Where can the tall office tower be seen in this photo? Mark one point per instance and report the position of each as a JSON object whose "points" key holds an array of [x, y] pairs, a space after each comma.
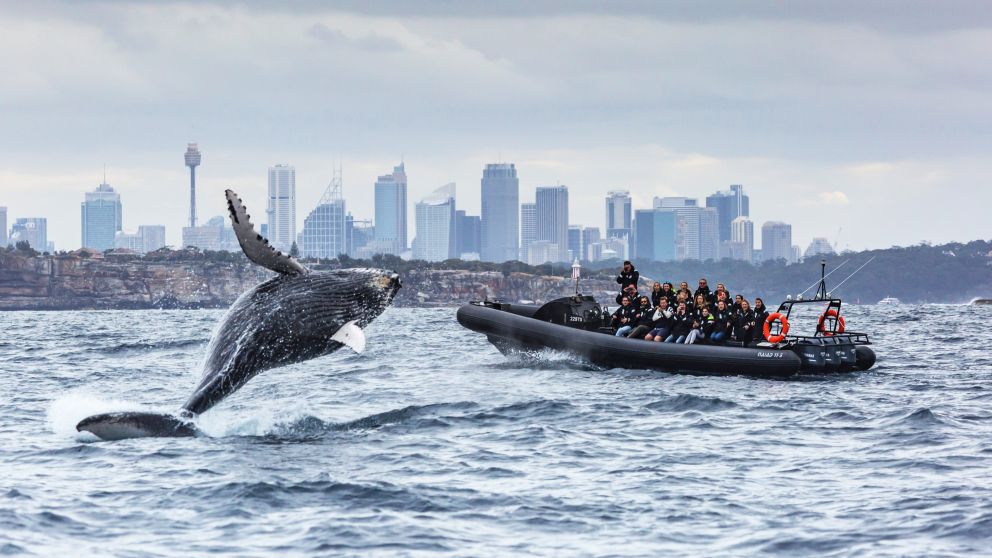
{"points": [[468, 235], [552, 217], [528, 229], [324, 230], [192, 161], [359, 234], [282, 206], [776, 241], [589, 236], [500, 204], [709, 234], [33, 230], [688, 213], [731, 204], [742, 234], [435, 222], [391, 211], [101, 218], [575, 246], [152, 237], [819, 246], [3, 227], [618, 214], [655, 235]]}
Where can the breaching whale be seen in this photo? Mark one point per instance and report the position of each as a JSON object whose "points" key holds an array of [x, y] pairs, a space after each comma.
{"points": [[297, 315]]}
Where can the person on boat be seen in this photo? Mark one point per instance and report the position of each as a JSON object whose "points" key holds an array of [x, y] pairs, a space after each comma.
{"points": [[624, 317], [628, 279], [723, 319], [702, 327], [662, 324], [656, 294], [744, 323], [669, 292], [681, 325], [738, 300], [722, 296], [760, 315], [684, 288], [698, 304], [720, 288], [645, 321], [704, 289]]}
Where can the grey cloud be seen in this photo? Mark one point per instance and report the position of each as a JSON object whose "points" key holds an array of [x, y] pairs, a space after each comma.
{"points": [[373, 42]]}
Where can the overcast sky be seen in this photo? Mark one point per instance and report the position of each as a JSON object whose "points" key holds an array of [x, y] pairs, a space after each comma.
{"points": [[867, 123]]}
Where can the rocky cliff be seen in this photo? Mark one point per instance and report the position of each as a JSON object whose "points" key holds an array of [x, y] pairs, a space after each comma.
{"points": [[79, 281]]}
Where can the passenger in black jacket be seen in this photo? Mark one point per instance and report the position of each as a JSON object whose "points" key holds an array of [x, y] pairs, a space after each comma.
{"points": [[662, 324], [722, 326], [760, 315], [744, 323], [704, 289], [624, 317], [656, 294], [669, 292], [681, 325], [628, 279], [645, 321]]}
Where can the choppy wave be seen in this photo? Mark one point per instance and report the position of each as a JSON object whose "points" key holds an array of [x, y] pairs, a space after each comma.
{"points": [[433, 442]]}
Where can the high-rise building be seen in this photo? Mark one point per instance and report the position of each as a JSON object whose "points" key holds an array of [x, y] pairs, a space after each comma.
{"points": [[552, 217], [575, 242], [358, 234], [33, 230], [324, 229], [192, 158], [500, 204], [391, 212], [281, 211], [101, 218], [435, 222], [3, 227], [709, 234], [776, 241], [589, 236], [688, 240], [742, 234], [819, 246], [528, 229], [618, 214], [152, 237], [655, 235], [543, 251], [468, 235], [730, 204]]}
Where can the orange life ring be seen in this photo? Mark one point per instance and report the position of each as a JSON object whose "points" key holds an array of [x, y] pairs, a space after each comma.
{"points": [[823, 318], [772, 318]]}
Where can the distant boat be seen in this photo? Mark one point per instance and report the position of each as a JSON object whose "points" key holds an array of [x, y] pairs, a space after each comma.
{"points": [[982, 302], [890, 300]]}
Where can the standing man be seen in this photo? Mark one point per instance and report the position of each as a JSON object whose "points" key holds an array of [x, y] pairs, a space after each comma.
{"points": [[628, 279]]}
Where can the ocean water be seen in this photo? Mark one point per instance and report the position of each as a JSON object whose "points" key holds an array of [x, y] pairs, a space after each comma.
{"points": [[431, 442]]}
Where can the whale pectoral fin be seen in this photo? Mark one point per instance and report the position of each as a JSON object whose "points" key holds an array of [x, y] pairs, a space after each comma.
{"points": [[351, 335], [131, 424], [254, 245]]}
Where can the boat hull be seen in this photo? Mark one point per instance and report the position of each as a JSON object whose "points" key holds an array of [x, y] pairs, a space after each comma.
{"points": [[514, 329]]}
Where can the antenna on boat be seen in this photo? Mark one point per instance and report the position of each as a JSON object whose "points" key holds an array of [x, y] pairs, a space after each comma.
{"points": [[821, 291], [832, 271], [576, 267]]}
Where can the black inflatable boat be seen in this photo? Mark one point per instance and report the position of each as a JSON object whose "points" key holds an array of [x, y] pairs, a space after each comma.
{"points": [[575, 325]]}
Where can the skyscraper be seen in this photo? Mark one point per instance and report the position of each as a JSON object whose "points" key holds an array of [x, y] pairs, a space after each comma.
{"points": [[730, 204], [687, 237], [819, 246], [282, 206], [552, 217], [655, 235], [776, 241], [618, 214], [528, 229], [390, 212], [3, 227], [101, 218], [742, 234], [709, 234], [33, 230], [590, 235], [435, 222], [575, 246], [468, 235], [500, 203], [152, 237], [192, 161], [324, 230]]}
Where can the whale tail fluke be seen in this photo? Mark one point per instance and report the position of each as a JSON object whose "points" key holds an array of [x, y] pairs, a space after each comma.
{"points": [[130, 424]]}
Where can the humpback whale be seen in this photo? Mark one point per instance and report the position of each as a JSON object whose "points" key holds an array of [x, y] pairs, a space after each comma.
{"points": [[297, 315]]}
